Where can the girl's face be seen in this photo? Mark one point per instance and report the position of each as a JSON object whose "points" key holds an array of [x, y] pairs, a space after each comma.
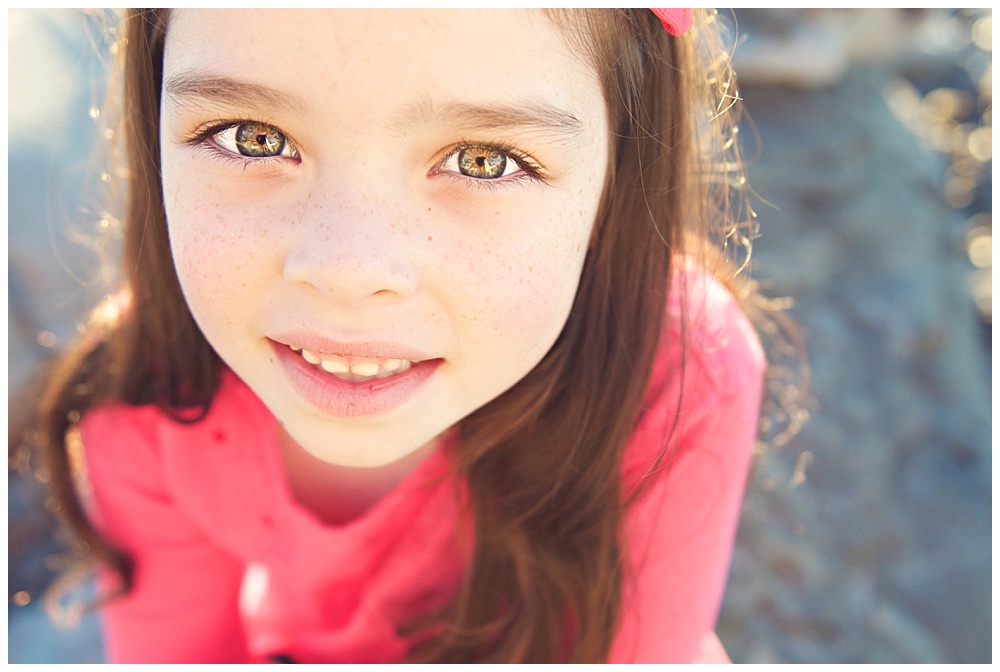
{"points": [[378, 218]]}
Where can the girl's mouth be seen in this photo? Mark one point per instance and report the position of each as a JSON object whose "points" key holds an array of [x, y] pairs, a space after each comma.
{"points": [[354, 369], [354, 385]]}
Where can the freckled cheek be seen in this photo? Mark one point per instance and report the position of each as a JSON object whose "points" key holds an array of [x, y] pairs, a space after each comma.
{"points": [[220, 253], [526, 286]]}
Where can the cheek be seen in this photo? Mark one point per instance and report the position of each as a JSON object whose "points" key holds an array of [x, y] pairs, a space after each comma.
{"points": [[520, 287], [545, 259], [217, 251]]}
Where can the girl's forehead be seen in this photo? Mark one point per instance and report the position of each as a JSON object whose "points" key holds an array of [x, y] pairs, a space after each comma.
{"points": [[318, 61]]}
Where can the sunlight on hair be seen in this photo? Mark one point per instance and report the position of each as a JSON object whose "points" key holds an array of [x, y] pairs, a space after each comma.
{"points": [[109, 311], [733, 226]]}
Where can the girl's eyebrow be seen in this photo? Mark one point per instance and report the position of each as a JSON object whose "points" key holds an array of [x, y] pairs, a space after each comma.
{"points": [[533, 115], [530, 115], [191, 87]]}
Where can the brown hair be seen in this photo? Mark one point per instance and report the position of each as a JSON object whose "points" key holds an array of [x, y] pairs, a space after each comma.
{"points": [[542, 461]]}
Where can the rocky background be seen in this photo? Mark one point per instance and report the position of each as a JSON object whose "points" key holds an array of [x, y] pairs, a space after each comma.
{"points": [[867, 537]]}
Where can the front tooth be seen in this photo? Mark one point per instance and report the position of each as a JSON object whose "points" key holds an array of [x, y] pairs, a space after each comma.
{"points": [[310, 356], [366, 369], [391, 364], [334, 366], [404, 365]]}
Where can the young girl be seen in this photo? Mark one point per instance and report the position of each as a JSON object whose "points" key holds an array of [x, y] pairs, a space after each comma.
{"points": [[418, 354]]}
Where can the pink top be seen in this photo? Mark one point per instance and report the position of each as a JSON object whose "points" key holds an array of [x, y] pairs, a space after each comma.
{"points": [[230, 568]]}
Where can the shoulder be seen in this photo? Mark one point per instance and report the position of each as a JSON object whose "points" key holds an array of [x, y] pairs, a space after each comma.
{"points": [[708, 331], [136, 465], [709, 364], [123, 434], [115, 447]]}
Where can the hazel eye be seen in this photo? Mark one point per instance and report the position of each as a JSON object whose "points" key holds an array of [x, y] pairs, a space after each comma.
{"points": [[254, 139], [481, 162]]}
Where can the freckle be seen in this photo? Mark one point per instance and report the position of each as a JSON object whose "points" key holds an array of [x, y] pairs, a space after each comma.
{"points": [[218, 436], [428, 209], [430, 238]]}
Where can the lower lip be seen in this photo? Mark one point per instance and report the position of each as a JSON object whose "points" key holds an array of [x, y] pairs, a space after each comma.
{"points": [[334, 396]]}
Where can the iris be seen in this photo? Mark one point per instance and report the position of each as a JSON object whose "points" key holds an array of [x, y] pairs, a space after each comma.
{"points": [[481, 162], [256, 139]]}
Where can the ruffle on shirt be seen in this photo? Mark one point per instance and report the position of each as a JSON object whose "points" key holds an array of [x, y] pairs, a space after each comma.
{"points": [[314, 592]]}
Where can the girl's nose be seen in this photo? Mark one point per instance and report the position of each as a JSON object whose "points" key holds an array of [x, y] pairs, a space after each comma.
{"points": [[354, 256]]}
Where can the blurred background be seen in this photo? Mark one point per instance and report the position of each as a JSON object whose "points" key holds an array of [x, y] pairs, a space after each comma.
{"points": [[865, 538]]}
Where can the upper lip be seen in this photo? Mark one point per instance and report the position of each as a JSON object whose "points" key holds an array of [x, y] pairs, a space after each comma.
{"points": [[367, 349]]}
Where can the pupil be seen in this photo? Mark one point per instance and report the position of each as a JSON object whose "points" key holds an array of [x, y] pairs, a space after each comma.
{"points": [[262, 139], [480, 161]]}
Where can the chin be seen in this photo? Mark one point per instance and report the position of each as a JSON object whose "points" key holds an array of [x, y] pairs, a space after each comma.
{"points": [[363, 448]]}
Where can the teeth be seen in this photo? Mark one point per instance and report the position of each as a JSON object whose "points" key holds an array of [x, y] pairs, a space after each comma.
{"points": [[335, 366], [368, 369], [358, 372]]}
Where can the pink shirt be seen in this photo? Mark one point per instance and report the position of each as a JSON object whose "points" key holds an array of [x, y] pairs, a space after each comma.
{"points": [[231, 568]]}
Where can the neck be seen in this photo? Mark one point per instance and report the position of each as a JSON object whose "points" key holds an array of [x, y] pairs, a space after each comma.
{"points": [[337, 494]]}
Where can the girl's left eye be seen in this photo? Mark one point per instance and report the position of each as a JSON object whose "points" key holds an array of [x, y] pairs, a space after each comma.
{"points": [[254, 139], [484, 162]]}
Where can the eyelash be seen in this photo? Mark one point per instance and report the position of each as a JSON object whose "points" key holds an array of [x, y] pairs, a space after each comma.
{"points": [[530, 169]]}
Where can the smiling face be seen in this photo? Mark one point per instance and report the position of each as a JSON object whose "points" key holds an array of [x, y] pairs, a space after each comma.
{"points": [[378, 218]]}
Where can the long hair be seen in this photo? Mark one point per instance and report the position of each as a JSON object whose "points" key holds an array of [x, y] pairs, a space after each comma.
{"points": [[542, 462]]}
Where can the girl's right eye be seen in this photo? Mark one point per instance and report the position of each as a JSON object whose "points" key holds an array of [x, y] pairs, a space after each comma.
{"points": [[253, 139]]}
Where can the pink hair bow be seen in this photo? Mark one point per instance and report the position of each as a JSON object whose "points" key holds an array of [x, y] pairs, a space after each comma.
{"points": [[676, 21]]}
